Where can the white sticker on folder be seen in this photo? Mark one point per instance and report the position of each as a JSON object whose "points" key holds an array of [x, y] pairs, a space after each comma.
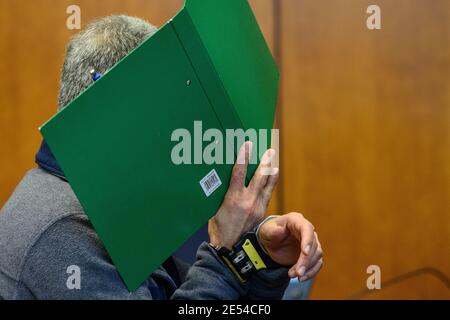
{"points": [[211, 183]]}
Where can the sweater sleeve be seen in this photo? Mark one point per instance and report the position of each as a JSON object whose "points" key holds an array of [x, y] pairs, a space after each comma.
{"points": [[210, 279], [268, 284], [69, 262]]}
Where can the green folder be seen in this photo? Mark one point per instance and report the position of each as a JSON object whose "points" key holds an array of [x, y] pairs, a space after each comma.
{"points": [[210, 63]]}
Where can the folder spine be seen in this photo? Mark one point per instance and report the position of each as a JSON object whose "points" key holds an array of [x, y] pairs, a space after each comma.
{"points": [[206, 72]]}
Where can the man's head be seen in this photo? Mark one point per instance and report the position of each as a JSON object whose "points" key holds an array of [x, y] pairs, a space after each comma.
{"points": [[100, 46]]}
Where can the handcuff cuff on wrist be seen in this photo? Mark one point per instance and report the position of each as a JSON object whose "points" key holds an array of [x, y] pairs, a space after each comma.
{"points": [[248, 256]]}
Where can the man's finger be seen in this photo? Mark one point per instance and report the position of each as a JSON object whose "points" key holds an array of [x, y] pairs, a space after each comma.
{"points": [[308, 256], [313, 250], [270, 186], [318, 254], [261, 177], [306, 261], [311, 273], [303, 230], [240, 168]]}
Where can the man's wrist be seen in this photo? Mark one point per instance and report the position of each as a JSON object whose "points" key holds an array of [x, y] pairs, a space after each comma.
{"points": [[214, 237], [217, 244], [258, 229], [247, 256]]}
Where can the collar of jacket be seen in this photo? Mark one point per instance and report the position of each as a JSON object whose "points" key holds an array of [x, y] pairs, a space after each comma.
{"points": [[46, 161]]}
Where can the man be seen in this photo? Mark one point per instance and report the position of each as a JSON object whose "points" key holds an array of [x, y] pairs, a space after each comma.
{"points": [[44, 232]]}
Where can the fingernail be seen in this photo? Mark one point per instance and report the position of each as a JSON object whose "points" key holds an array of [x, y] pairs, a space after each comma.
{"points": [[302, 271], [302, 279], [307, 249]]}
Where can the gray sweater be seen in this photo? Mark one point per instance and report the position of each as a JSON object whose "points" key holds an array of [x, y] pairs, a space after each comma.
{"points": [[44, 231]]}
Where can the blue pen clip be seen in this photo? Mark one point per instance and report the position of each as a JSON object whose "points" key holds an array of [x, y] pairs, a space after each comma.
{"points": [[95, 75]]}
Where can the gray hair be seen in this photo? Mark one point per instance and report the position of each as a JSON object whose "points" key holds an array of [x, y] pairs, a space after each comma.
{"points": [[100, 46]]}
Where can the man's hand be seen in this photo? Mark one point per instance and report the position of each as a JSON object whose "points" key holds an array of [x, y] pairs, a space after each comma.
{"points": [[290, 240], [244, 207]]}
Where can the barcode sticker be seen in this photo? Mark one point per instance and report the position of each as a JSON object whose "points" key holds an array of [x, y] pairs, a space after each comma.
{"points": [[211, 183]]}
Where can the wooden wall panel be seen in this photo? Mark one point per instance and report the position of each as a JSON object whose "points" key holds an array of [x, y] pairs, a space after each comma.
{"points": [[366, 138]]}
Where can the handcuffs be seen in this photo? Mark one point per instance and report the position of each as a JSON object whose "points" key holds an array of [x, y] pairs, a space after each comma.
{"points": [[247, 256]]}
